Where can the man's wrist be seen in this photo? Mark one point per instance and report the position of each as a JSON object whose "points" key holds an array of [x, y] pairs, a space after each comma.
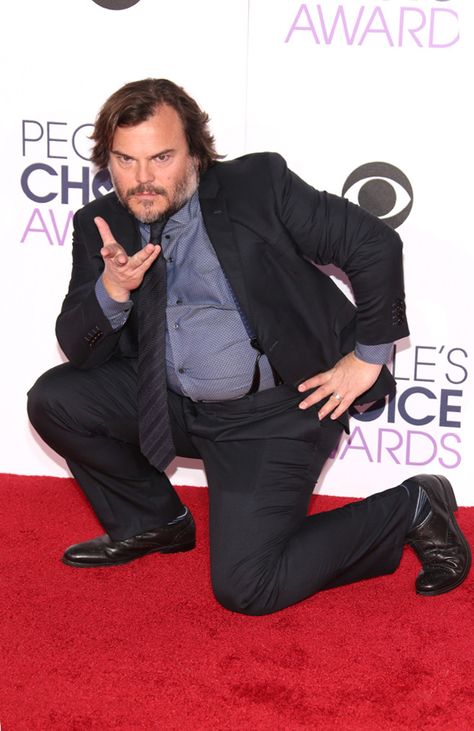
{"points": [[116, 312], [118, 294]]}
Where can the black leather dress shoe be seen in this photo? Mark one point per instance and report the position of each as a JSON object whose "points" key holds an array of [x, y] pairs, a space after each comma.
{"points": [[103, 551], [438, 542]]}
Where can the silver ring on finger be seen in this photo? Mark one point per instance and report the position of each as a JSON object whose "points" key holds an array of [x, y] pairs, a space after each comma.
{"points": [[337, 396]]}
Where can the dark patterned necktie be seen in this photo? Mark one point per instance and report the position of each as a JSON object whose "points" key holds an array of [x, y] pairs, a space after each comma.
{"points": [[156, 442]]}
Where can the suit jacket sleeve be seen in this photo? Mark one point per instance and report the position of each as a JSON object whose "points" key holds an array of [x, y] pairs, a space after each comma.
{"points": [[83, 331], [328, 229]]}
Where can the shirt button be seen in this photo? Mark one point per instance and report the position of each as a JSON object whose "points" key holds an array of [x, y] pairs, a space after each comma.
{"points": [[179, 302], [176, 326], [180, 370]]}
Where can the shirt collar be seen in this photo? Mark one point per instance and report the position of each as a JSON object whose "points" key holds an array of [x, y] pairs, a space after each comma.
{"points": [[182, 217], [188, 211]]}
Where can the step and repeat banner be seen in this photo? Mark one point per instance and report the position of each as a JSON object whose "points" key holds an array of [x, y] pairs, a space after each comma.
{"points": [[367, 100]]}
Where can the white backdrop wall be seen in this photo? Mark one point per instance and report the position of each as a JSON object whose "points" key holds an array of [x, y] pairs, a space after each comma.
{"points": [[367, 99]]}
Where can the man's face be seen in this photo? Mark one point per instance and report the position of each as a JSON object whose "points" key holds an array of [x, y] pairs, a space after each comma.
{"points": [[150, 166]]}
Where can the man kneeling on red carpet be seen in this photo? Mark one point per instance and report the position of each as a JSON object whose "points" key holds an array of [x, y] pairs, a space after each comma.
{"points": [[196, 324]]}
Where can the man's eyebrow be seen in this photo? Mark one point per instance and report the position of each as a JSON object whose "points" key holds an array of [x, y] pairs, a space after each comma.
{"points": [[150, 157], [119, 152], [164, 152]]}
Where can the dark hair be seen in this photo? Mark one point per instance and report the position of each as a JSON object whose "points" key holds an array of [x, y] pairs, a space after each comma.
{"points": [[136, 102]]}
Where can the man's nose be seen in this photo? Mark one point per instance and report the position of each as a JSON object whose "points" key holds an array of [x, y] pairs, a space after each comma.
{"points": [[144, 171]]}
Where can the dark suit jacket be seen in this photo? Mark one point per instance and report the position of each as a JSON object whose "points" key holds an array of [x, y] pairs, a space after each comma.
{"points": [[269, 228]]}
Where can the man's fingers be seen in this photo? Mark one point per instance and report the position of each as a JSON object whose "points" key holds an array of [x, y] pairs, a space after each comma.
{"points": [[320, 394], [104, 231], [116, 254], [118, 257], [142, 260], [146, 256], [317, 382], [111, 251], [130, 268], [340, 386], [334, 406]]}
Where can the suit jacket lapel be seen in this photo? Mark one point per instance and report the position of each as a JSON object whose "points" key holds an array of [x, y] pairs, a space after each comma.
{"points": [[219, 228]]}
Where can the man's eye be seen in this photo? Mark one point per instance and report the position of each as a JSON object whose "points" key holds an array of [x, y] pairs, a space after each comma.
{"points": [[162, 158]]}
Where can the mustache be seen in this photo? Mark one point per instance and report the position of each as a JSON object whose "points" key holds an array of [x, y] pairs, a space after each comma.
{"points": [[139, 189]]}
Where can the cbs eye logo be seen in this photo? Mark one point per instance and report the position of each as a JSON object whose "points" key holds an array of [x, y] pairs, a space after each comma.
{"points": [[116, 4], [381, 189]]}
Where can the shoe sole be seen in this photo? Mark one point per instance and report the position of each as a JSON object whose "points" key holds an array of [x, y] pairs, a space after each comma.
{"points": [[167, 549], [453, 506]]}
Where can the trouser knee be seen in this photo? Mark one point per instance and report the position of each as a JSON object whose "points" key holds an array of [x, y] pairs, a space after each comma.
{"points": [[56, 401], [41, 400], [245, 598]]}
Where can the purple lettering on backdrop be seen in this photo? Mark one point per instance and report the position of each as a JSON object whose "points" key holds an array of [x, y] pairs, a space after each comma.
{"points": [[43, 227], [390, 449], [457, 461], [356, 434], [383, 29], [303, 10], [411, 31], [61, 238], [436, 13], [420, 448], [409, 448], [340, 15], [414, 26]]}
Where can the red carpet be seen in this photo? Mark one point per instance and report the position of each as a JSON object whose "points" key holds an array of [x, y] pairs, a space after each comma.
{"points": [[145, 647]]}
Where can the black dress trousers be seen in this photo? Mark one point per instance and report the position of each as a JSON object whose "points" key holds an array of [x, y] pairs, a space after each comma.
{"points": [[262, 456]]}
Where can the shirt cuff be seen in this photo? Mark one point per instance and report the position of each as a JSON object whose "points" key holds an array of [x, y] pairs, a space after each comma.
{"points": [[376, 354], [116, 312]]}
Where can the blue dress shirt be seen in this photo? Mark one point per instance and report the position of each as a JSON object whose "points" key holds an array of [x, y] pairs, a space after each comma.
{"points": [[208, 352]]}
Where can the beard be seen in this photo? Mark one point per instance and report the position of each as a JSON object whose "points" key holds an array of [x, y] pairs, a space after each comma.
{"points": [[182, 190]]}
